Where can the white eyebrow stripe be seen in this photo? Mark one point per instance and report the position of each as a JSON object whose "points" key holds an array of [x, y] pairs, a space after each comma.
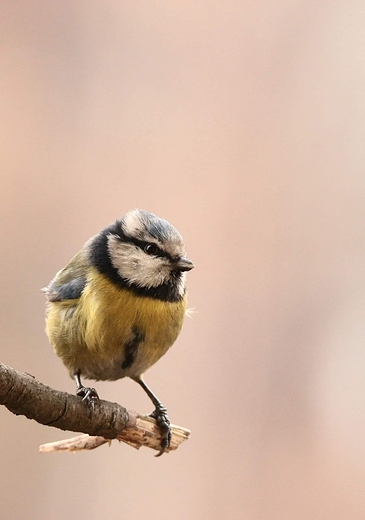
{"points": [[135, 225]]}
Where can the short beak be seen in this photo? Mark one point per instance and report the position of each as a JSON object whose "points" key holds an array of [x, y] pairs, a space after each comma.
{"points": [[183, 264]]}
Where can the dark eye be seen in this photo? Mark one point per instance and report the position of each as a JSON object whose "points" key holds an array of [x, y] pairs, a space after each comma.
{"points": [[150, 249]]}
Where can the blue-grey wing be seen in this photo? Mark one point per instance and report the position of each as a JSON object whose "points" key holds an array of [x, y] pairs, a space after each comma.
{"points": [[70, 282]]}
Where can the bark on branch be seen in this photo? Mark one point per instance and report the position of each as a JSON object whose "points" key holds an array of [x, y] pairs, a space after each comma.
{"points": [[22, 394]]}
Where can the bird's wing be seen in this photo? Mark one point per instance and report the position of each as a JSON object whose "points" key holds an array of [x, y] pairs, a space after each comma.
{"points": [[69, 283]]}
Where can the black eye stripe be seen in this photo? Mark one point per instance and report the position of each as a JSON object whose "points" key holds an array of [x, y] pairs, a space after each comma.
{"points": [[155, 250], [142, 244]]}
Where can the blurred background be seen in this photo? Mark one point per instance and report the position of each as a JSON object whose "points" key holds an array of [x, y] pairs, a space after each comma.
{"points": [[242, 123]]}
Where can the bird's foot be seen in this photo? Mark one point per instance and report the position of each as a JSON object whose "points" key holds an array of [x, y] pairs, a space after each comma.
{"points": [[163, 422], [89, 395]]}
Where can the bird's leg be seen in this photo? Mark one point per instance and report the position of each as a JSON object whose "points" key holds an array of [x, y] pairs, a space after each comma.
{"points": [[90, 395], [162, 419]]}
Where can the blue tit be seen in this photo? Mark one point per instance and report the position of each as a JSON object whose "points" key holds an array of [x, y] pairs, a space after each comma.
{"points": [[119, 305]]}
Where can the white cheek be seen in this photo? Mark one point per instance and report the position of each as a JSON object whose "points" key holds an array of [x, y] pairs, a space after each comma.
{"points": [[137, 267], [181, 285]]}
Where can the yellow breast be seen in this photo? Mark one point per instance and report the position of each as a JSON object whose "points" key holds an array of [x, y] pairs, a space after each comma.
{"points": [[90, 334]]}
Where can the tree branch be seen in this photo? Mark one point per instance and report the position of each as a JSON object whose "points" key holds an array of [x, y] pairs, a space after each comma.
{"points": [[22, 394]]}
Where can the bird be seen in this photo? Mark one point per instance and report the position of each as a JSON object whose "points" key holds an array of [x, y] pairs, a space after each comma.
{"points": [[117, 307]]}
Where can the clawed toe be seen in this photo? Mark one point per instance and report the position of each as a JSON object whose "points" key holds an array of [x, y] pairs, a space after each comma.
{"points": [[89, 395], [163, 422]]}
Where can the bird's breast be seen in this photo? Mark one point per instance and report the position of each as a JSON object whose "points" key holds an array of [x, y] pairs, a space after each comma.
{"points": [[124, 333]]}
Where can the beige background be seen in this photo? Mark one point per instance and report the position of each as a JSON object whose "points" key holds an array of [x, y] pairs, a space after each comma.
{"points": [[243, 124]]}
